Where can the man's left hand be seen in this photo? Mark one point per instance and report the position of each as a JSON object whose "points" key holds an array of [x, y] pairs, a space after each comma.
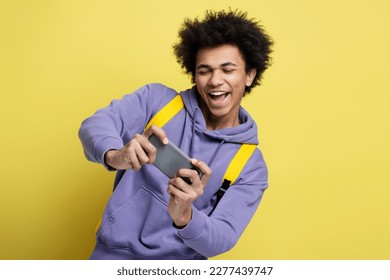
{"points": [[182, 194]]}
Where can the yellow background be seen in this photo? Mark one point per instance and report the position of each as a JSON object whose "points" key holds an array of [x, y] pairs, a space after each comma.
{"points": [[323, 115]]}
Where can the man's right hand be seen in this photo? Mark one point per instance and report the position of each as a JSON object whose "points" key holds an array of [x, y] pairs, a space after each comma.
{"points": [[136, 152]]}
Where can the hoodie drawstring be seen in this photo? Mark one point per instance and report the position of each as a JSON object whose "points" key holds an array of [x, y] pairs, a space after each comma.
{"points": [[193, 133], [216, 152]]}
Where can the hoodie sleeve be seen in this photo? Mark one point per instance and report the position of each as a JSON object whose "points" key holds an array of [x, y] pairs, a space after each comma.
{"points": [[214, 235], [115, 125]]}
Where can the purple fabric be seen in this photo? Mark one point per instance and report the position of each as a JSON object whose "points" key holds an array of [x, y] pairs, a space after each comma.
{"points": [[136, 223]]}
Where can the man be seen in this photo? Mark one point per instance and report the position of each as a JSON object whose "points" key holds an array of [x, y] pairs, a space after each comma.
{"points": [[150, 216]]}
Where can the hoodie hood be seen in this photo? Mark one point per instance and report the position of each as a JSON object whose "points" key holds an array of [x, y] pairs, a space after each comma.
{"points": [[245, 132]]}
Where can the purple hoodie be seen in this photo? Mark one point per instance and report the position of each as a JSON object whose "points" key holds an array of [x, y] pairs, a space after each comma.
{"points": [[136, 223]]}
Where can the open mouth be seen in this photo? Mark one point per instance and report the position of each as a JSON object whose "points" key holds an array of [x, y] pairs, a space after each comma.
{"points": [[218, 96]]}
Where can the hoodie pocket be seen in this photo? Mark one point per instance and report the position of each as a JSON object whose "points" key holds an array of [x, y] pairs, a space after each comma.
{"points": [[141, 225]]}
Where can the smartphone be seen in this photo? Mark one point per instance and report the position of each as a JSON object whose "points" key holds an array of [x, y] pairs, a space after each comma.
{"points": [[169, 158]]}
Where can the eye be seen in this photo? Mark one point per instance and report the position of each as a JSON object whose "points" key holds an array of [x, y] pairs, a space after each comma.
{"points": [[203, 72], [228, 70]]}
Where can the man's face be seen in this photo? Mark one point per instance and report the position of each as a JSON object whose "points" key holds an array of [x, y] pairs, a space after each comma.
{"points": [[220, 78]]}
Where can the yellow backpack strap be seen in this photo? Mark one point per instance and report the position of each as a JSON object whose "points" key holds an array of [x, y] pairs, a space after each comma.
{"points": [[167, 112], [234, 169], [238, 162]]}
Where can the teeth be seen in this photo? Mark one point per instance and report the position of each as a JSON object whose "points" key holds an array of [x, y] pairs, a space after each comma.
{"points": [[217, 93]]}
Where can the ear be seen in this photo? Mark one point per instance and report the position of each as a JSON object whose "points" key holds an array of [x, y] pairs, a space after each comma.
{"points": [[250, 75]]}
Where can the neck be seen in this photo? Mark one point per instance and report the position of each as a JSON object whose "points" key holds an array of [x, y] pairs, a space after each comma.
{"points": [[214, 123]]}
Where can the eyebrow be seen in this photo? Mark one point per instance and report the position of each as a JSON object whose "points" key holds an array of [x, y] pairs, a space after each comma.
{"points": [[200, 66]]}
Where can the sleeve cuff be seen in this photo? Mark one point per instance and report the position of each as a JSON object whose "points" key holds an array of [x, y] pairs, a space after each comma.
{"points": [[103, 146], [195, 227]]}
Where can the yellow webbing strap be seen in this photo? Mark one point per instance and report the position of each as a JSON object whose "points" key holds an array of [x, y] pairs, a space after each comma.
{"points": [[234, 169], [238, 162], [167, 112]]}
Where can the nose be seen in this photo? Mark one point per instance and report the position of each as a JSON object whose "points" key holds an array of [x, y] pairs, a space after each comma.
{"points": [[216, 79]]}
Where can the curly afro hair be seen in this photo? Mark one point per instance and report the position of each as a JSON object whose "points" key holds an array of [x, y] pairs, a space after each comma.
{"points": [[218, 28]]}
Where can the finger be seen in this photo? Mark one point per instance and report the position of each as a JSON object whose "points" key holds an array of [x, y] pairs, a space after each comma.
{"points": [[154, 129], [177, 193], [180, 185], [138, 143], [169, 191], [191, 174], [133, 158], [173, 191], [125, 163], [149, 150], [145, 150], [203, 167], [129, 165], [196, 186]]}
